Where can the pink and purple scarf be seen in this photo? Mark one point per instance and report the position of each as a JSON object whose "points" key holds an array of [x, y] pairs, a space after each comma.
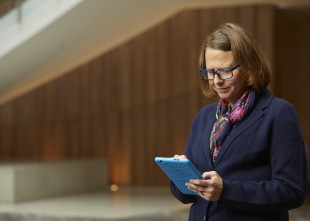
{"points": [[227, 118]]}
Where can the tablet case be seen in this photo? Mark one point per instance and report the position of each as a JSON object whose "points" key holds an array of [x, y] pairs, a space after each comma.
{"points": [[180, 171]]}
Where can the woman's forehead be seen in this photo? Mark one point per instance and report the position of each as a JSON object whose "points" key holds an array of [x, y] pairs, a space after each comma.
{"points": [[219, 59]]}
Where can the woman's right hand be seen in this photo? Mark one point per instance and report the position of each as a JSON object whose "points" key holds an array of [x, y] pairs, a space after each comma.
{"points": [[180, 156]]}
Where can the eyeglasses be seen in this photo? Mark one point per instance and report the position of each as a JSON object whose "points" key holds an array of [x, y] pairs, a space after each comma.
{"points": [[223, 73]]}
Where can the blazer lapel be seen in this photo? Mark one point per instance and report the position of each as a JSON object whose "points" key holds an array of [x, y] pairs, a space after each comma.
{"points": [[206, 137], [244, 125], [263, 101]]}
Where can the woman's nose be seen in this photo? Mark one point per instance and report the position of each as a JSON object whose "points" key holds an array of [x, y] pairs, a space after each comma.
{"points": [[217, 79]]}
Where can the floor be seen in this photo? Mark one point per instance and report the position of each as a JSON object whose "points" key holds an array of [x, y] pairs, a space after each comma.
{"points": [[130, 204], [121, 204]]}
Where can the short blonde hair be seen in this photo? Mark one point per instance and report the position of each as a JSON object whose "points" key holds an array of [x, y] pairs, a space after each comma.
{"points": [[254, 68]]}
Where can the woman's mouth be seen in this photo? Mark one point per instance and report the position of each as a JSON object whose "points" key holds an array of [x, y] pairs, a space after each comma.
{"points": [[222, 90]]}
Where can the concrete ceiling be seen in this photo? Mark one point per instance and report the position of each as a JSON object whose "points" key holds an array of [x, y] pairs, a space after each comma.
{"points": [[91, 28]]}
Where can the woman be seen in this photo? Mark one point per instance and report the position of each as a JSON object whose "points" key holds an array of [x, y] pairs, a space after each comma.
{"points": [[248, 146]]}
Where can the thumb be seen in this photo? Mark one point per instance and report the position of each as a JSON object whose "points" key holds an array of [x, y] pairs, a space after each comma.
{"points": [[209, 174]]}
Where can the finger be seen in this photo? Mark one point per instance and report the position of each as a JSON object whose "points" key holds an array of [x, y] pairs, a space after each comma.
{"points": [[180, 156], [195, 188], [183, 157], [200, 193], [199, 182], [209, 174], [213, 179]]}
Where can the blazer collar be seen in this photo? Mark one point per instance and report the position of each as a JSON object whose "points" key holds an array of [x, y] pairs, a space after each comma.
{"points": [[263, 100]]}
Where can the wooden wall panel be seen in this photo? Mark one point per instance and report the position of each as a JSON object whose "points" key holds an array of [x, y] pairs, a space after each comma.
{"points": [[128, 105], [292, 74]]}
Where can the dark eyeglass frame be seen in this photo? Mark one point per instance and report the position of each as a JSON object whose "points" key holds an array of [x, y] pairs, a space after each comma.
{"points": [[204, 72]]}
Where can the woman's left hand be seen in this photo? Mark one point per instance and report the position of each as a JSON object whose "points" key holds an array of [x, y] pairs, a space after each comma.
{"points": [[210, 188]]}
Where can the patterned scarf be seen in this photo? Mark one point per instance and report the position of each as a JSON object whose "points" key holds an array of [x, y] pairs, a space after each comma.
{"points": [[228, 118]]}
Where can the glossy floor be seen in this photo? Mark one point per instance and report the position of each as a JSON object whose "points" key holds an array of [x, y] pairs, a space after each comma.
{"points": [[124, 203], [147, 204]]}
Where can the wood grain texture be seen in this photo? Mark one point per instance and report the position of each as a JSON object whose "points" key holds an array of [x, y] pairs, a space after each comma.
{"points": [[292, 48], [128, 105]]}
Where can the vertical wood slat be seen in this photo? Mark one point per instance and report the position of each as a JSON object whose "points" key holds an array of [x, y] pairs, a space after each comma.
{"points": [[129, 105], [265, 33], [292, 68], [291, 73]]}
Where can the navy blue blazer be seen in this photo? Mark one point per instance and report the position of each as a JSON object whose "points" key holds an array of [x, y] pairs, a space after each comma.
{"points": [[262, 163]]}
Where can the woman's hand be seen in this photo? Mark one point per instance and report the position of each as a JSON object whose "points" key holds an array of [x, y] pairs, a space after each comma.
{"points": [[210, 188], [180, 156]]}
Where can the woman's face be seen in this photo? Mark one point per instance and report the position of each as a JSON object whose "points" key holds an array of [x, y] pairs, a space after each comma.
{"points": [[230, 89]]}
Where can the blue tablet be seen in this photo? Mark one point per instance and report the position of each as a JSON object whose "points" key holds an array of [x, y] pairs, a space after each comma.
{"points": [[180, 171]]}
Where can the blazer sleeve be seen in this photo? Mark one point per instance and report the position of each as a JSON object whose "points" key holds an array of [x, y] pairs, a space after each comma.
{"points": [[288, 184], [183, 198]]}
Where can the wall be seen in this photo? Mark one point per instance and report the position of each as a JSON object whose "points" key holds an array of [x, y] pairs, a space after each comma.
{"points": [[292, 61], [128, 105]]}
